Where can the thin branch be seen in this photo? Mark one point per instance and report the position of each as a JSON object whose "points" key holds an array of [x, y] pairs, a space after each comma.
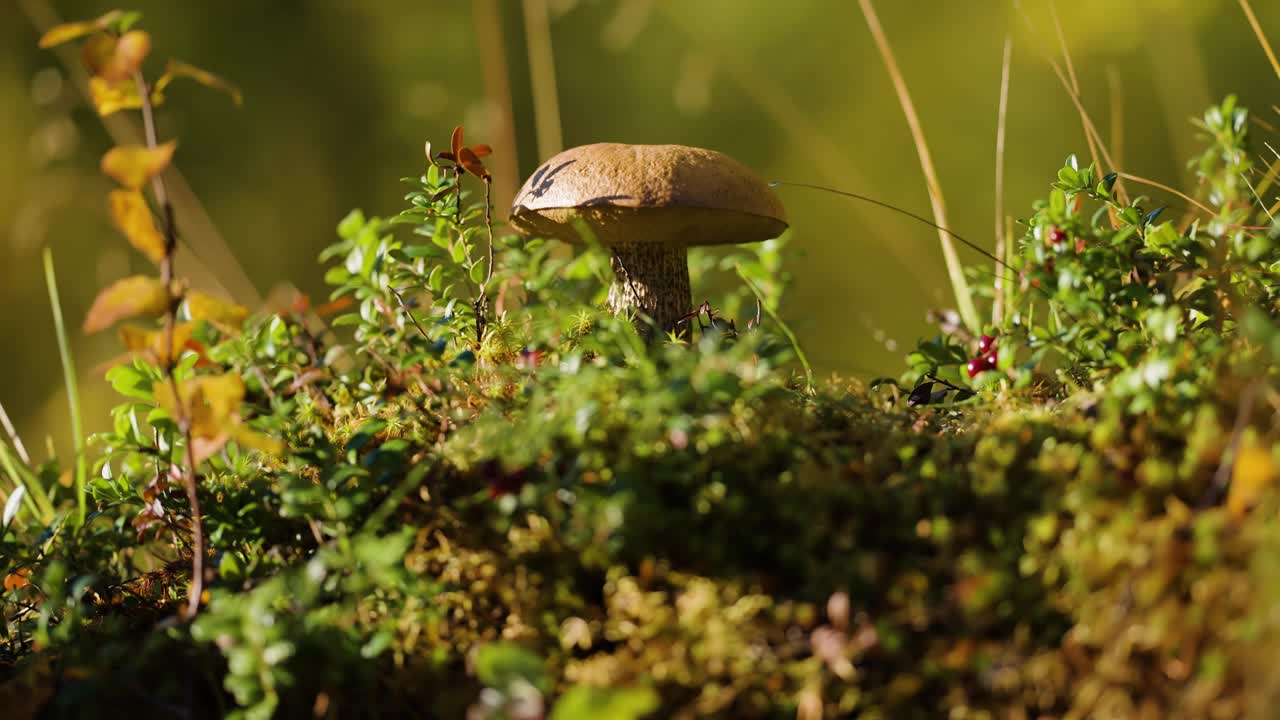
{"points": [[405, 306], [1156, 184], [183, 419]]}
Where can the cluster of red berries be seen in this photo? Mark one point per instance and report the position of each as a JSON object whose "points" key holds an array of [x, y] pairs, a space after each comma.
{"points": [[987, 357]]}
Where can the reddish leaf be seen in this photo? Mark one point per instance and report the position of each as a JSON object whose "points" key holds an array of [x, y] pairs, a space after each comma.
{"points": [[17, 579], [132, 217], [469, 162], [482, 150], [131, 297], [334, 307], [133, 165], [455, 142]]}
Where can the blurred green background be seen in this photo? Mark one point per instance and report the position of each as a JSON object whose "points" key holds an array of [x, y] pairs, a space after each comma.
{"points": [[340, 95]]}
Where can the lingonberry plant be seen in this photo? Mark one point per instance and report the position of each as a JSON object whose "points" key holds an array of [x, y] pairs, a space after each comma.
{"points": [[1125, 292]]}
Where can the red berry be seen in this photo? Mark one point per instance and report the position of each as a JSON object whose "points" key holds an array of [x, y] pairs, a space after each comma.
{"points": [[976, 366], [985, 344], [992, 359], [1048, 265], [1057, 236]]}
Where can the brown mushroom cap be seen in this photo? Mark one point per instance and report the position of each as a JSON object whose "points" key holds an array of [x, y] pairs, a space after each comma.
{"points": [[635, 194]]}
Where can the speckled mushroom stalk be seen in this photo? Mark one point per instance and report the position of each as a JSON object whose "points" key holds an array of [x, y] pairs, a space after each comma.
{"points": [[647, 204], [653, 279]]}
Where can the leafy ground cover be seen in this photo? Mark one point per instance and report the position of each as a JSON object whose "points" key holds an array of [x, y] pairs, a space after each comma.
{"points": [[457, 488]]}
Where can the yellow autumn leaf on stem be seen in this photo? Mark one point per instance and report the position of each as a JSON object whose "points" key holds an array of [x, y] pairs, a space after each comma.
{"points": [[66, 32], [132, 217], [175, 69], [1253, 473], [203, 306], [133, 165], [127, 55], [139, 295], [109, 97], [96, 52], [212, 403], [150, 342]]}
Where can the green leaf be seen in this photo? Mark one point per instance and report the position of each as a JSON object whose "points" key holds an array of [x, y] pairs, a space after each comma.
{"points": [[587, 703], [351, 225], [500, 664]]}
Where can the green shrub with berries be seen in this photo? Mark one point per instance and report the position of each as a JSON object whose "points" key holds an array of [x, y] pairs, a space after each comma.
{"points": [[458, 489]]}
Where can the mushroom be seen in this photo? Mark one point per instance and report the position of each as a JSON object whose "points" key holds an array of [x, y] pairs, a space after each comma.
{"points": [[648, 204]]}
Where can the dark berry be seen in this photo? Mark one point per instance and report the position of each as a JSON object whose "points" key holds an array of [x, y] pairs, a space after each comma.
{"points": [[992, 359], [1057, 236], [985, 343]]}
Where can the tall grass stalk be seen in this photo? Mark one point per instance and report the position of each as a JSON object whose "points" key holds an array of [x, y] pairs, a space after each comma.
{"points": [[73, 393], [960, 286]]}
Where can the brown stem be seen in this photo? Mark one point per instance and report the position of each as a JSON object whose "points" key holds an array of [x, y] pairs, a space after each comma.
{"points": [[183, 419], [653, 279]]}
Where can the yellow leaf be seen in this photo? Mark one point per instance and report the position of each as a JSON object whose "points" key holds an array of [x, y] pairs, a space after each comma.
{"points": [[203, 306], [127, 55], [150, 343], [130, 297], [1254, 472], [132, 217], [109, 97], [67, 32], [133, 165], [212, 403], [177, 69]]}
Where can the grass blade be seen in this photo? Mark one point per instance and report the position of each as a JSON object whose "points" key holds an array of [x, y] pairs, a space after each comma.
{"points": [[964, 302], [1262, 37], [36, 497], [69, 375]]}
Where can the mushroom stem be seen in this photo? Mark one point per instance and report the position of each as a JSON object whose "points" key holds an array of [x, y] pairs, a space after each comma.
{"points": [[651, 278]]}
